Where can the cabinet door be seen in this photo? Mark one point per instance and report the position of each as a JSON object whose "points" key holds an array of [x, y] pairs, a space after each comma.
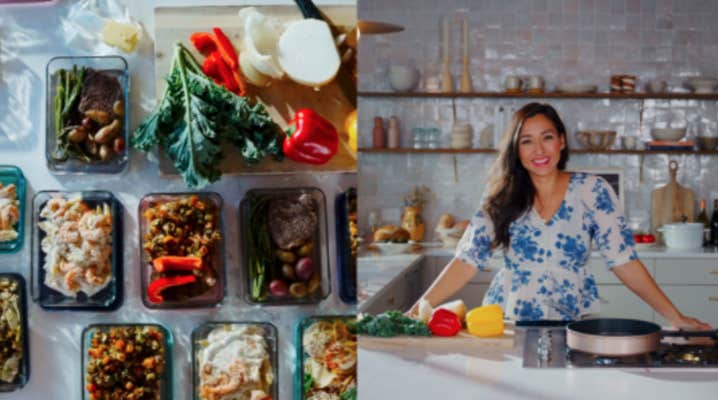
{"points": [[472, 294], [699, 301], [393, 298], [687, 271], [619, 302]]}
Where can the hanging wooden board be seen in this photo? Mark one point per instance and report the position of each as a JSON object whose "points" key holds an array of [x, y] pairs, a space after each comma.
{"points": [[671, 202], [282, 98]]}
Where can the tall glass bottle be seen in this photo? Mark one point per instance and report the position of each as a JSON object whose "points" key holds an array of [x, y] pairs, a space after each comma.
{"points": [[703, 219]]}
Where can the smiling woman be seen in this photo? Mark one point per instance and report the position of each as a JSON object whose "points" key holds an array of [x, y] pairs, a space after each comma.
{"points": [[545, 220]]}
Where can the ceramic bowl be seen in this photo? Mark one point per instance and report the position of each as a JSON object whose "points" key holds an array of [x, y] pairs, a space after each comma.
{"points": [[702, 85], [388, 248], [403, 78], [596, 140], [668, 134]]}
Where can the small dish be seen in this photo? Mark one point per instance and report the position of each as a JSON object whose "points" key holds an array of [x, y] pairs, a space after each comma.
{"points": [[403, 78], [12, 175], [316, 336], [576, 88], [107, 298], [120, 336], [390, 249], [645, 246], [290, 279], [668, 134], [60, 162], [15, 284], [208, 286], [201, 341]]}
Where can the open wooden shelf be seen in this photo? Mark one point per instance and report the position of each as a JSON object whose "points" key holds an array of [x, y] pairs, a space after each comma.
{"points": [[573, 151], [555, 95]]}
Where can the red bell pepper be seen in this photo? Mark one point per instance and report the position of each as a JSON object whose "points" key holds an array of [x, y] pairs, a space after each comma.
{"points": [[154, 290], [225, 76], [225, 48], [444, 323], [209, 66], [311, 138], [177, 263], [204, 42]]}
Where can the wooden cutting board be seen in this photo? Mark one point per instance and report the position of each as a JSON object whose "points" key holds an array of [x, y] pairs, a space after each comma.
{"points": [[671, 202], [282, 98], [459, 343]]}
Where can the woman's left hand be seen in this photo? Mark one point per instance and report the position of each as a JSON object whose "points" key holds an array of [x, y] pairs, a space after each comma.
{"points": [[690, 323]]}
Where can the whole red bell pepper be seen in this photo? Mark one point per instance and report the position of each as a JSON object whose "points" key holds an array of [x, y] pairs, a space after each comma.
{"points": [[444, 323], [154, 290], [310, 138]]}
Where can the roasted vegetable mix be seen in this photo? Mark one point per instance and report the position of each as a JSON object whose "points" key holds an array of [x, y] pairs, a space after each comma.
{"points": [[195, 114], [11, 346], [125, 362], [282, 250], [330, 357], [182, 242], [88, 112]]}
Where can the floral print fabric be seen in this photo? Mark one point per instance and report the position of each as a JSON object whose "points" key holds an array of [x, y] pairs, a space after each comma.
{"points": [[544, 274]]}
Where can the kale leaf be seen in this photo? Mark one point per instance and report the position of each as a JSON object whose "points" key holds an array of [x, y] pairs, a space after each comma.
{"points": [[391, 323]]}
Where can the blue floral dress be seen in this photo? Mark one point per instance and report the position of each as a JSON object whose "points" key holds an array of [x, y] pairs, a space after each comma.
{"points": [[544, 274]]}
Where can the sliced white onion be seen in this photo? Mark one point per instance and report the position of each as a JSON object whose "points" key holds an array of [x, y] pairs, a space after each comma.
{"points": [[307, 53]]}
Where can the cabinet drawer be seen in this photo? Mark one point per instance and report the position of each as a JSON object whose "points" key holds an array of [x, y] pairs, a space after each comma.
{"points": [[687, 271], [696, 301], [618, 301], [472, 294]]}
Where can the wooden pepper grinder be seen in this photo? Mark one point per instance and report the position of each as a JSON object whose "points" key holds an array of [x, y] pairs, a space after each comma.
{"points": [[378, 133], [393, 140]]}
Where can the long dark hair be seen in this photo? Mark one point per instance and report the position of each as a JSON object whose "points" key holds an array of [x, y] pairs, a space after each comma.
{"points": [[510, 192]]}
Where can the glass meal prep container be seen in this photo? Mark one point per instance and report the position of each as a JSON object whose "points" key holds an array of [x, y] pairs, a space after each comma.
{"points": [[126, 359], [182, 250], [326, 366], [77, 245], [12, 208], [13, 318], [87, 116], [245, 351], [284, 246], [345, 208]]}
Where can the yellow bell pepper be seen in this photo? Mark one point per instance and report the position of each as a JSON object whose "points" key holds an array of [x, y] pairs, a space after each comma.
{"points": [[350, 124], [485, 321]]}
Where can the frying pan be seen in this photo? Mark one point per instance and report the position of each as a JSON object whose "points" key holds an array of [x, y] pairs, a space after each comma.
{"points": [[621, 337]]}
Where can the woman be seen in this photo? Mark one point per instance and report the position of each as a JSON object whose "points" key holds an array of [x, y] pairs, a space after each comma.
{"points": [[545, 220]]}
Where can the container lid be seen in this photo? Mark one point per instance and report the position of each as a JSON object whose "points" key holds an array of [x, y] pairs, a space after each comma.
{"points": [[684, 225]]}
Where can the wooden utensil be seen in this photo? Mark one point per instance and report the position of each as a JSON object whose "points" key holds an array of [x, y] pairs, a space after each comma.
{"points": [[466, 85], [672, 202], [447, 83]]}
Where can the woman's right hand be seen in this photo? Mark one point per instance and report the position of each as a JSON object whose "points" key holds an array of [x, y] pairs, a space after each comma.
{"points": [[689, 323]]}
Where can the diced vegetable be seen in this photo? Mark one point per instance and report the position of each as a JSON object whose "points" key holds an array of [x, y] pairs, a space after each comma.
{"points": [[176, 263], [154, 290]]}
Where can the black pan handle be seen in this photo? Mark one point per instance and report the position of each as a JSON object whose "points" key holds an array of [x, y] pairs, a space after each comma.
{"points": [[691, 334], [309, 9]]}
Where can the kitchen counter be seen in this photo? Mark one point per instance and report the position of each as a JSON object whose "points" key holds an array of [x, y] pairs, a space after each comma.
{"points": [[497, 373], [645, 252]]}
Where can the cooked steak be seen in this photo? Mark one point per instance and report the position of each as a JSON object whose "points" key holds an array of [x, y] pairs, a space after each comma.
{"points": [[292, 221], [99, 92]]}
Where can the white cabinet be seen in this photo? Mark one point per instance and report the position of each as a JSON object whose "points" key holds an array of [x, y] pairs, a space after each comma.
{"points": [[619, 302], [699, 301], [683, 271]]}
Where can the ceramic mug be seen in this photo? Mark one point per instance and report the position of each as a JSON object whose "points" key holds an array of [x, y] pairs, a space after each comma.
{"points": [[629, 142], [536, 82], [512, 83]]}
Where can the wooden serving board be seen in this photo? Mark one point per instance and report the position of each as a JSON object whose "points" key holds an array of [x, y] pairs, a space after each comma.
{"points": [[459, 343], [282, 98], [670, 202]]}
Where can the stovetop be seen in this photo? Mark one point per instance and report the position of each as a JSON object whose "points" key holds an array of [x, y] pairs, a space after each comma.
{"points": [[545, 347]]}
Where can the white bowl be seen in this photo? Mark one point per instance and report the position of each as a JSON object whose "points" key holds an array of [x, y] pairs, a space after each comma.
{"points": [[388, 248], [668, 134], [702, 85], [685, 236], [403, 78], [576, 88]]}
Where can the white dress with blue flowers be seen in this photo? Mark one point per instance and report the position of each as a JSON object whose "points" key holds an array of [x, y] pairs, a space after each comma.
{"points": [[544, 274]]}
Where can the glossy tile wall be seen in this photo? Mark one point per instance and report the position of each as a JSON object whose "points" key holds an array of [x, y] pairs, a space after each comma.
{"points": [[565, 41]]}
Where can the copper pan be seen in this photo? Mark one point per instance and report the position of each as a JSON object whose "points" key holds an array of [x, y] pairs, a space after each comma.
{"points": [[613, 336]]}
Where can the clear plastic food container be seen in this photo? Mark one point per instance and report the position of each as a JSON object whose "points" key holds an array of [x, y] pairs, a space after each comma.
{"points": [[15, 284], [127, 348], [201, 342], [325, 342], [80, 236], [276, 275], [345, 210], [208, 287], [83, 156], [12, 175]]}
